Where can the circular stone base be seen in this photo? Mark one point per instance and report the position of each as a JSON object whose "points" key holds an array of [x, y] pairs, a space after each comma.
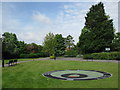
{"points": [[77, 74]]}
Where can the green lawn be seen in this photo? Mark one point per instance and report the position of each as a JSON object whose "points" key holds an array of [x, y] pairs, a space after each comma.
{"points": [[0, 62], [29, 74]]}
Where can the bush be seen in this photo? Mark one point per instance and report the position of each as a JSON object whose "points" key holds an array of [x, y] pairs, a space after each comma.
{"points": [[52, 57], [105, 55], [69, 56], [34, 55], [88, 56], [31, 55], [43, 54], [79, 56], [71, 53], [23, 55]]}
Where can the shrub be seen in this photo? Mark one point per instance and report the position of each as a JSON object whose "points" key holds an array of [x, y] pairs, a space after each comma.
{"points": [[71, 53], [34, 55], [104, 55], [88, 56], [23, 55], [31, 55], [79, 56], [43, 54], [69, 56], [52, 57]]}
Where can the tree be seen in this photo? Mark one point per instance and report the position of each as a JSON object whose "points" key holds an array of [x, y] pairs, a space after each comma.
{"points": [[21, 45], [69, 42], [0, 48], [9, 46], [32, 48], [116, 42], [84, 41], [98, 31], [40, 48], [49, 43], [59, 45]]}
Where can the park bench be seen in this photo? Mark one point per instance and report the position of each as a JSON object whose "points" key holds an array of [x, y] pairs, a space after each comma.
{"points": [[12, 62], [54, 58], [15, 61], [118, 58]]}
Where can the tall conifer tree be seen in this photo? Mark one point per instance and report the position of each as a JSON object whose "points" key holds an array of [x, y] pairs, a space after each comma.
{"points": [[98, 32]]}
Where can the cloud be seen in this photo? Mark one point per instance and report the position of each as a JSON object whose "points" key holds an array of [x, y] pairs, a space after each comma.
{"points": [[41, 18], [59, 0], [66, 6], [69, 20], [30, 37], [92, 0], [112, 12], [0, 19], [10, 25]]}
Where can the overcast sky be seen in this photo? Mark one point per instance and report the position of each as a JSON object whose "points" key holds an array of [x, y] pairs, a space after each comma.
{"points": [[31, 21]]}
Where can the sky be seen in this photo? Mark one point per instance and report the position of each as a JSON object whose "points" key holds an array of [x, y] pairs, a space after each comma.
{"points": [[31, 21]]}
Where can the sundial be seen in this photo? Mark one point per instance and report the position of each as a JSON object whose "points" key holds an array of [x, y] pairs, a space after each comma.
{"points": [[77, 74]]}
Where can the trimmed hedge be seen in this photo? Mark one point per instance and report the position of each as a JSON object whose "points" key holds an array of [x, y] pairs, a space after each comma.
{"points": [[69, 56], [104, 55], [79, 56], [34, 55], [71, 53]]}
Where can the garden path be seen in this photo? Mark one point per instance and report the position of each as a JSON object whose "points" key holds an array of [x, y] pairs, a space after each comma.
{"points": [[69, 58]]}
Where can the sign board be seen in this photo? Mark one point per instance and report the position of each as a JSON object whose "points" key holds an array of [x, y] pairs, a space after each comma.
{"points": [[107, 49]]}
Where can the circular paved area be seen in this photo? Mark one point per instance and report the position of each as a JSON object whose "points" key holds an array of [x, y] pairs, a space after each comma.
{"points": [[77, 75]]}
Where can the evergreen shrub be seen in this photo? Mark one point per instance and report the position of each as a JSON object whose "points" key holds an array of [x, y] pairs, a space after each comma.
{"points": [[34, 55], [71, 53], [103, 55]]}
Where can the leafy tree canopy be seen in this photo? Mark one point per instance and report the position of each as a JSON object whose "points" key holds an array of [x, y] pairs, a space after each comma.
{"points": [[69, 42], [116, 42], [32, 48], [9, 45], [49, 43], [59, 45]]}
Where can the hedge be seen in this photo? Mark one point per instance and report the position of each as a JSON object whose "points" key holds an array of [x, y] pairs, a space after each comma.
{"points": [[34, 55], [71, 53], [69, 56], [104, 55]]}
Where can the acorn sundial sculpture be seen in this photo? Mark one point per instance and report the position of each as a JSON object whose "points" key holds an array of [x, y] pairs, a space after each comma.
{"points": [[77, 74]]}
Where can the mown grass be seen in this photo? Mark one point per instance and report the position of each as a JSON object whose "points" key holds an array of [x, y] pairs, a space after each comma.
{"points": [[29, 75], [0, 62]]}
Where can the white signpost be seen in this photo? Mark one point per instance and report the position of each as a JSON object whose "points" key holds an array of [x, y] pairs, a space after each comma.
{"points": [[107, 49]]}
